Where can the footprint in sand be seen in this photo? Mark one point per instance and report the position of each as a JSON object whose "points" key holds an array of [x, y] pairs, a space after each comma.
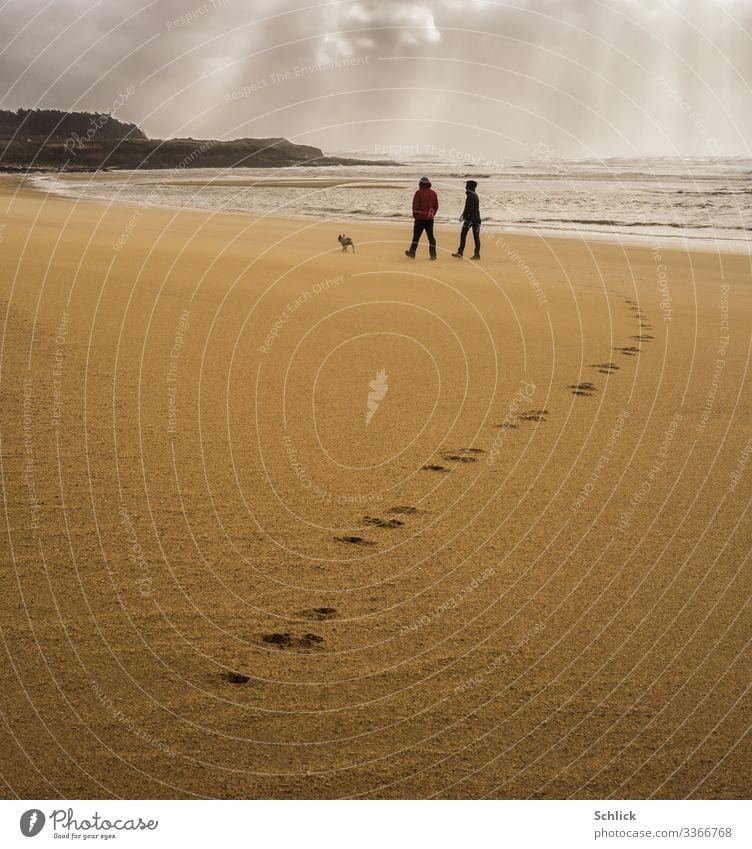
{"points": [[629, 351], [235, 678], [606, 368], [463, 455], [355, 540], [532, 416], [288, 641], [582, 388], [404, 510], [382, 523], [459, 458], [643, 338], [507, 426], [433, 467], [318, 614]]}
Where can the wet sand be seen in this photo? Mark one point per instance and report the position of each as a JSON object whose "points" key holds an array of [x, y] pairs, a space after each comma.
{"points": [[284, 522], [293, 184], [94, 177]]}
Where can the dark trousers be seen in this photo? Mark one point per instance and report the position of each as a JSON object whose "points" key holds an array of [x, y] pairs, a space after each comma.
{"points": [[466, 226], [419, 228]]}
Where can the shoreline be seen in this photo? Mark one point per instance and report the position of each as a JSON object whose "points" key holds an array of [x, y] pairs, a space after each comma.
{"points": [[663, 243]]}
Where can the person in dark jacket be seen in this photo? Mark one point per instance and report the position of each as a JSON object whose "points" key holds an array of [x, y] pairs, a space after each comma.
{"points": [[425, 207], [470, 219]]}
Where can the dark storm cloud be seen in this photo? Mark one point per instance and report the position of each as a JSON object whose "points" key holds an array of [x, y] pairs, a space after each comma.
{"points": [[580, 76]]}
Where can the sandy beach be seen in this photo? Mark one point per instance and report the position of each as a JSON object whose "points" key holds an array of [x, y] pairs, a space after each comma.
{"points": [[292, 523]]}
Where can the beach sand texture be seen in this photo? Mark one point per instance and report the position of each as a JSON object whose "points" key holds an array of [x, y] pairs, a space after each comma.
{"points": [[285, 522]]}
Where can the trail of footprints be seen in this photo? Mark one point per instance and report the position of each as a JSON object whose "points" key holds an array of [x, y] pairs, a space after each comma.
{"points": [[460, 456], [643, 325], [588, 389], [309, 641]]}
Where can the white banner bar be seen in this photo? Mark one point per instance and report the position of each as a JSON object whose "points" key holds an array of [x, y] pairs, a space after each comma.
{"points": [[377, 824]]}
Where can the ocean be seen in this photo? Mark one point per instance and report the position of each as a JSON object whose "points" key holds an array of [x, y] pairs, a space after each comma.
{"points": [[687, 202]]}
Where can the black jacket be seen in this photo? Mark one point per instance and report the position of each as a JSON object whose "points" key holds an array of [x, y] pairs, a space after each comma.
{"points": [[471, 212]]}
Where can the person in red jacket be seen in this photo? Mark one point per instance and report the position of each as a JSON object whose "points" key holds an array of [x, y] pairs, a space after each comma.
{"points": [[425, 207]]}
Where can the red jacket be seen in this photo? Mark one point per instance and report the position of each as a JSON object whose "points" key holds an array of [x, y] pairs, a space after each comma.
{"points": [[425, 203]]}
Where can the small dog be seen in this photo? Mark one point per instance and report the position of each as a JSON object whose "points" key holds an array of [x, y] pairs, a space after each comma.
{"points": [[346, 243]]}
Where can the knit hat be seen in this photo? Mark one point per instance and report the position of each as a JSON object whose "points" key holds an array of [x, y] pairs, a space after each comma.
{"points": [[424, 180], [471, 185]]}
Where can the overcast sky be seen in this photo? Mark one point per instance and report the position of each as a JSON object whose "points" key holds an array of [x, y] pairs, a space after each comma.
{"points": [[493, 80]]}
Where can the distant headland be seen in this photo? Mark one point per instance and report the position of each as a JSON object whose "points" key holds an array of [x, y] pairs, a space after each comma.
{"points": [[50, 139]]}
